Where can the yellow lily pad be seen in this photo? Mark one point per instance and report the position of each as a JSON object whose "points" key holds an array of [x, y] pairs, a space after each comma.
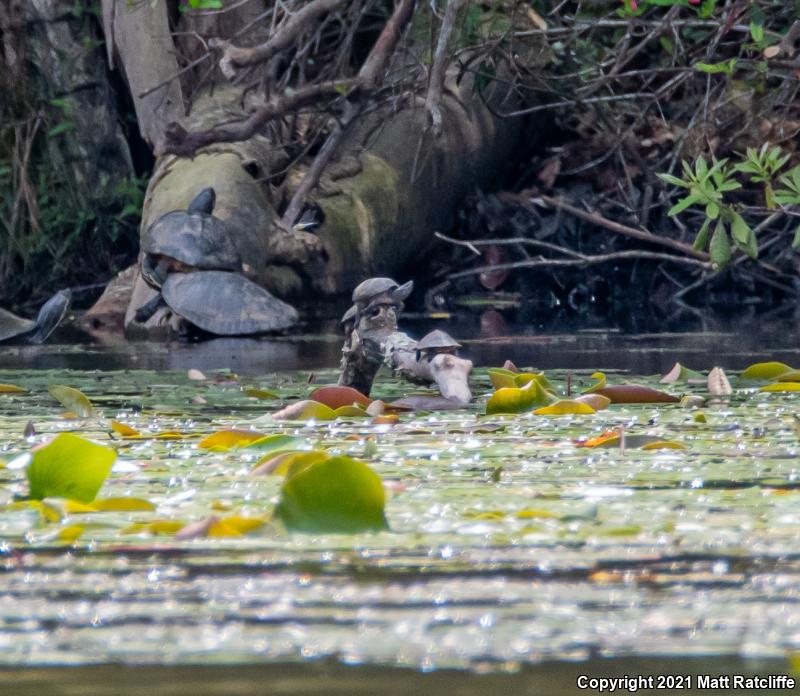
{"points": [[600, 382], [224, 440], [781, 387], [123, 429], [11, 389], [765, 371], [109, 505], [283, 463], [73, 400], [564, 407], [510, 400]]}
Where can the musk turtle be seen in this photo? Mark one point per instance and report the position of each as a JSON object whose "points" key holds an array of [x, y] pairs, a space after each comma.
{"points": [[50, 316], [436, 342], [188, 240], [226, 303], [380, 291]]}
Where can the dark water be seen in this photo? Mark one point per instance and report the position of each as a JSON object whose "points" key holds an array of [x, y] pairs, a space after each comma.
{"points": [[731, 345]]}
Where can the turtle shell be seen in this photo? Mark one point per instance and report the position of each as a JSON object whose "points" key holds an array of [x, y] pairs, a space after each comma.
{"points": [[194, 237], [226, 303], [437, 340], [372, 287]]}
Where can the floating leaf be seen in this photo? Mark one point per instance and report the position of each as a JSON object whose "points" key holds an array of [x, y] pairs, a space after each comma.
{"points": [[224, 440], [308, 409], [69, 467], [335, 396], [73, 507], [692, 401], [70, 533], [718, 383], [597, 401], [564, 407], [664, 444], [275, 443], [281, 464], [424, 403], [196, 375], [519, 399], [764, 371], [156, 527], [601, 382], [681, 373], [781, 387], [336, 495], [504, 378], [11, 389], [72, 399], [262, 394], [635, 394], [214, 526], [790, 376], [123, 429]]}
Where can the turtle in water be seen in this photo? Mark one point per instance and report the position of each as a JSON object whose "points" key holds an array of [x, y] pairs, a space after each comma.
{"points": [[38, 330], [437, 342], [190, 258]]}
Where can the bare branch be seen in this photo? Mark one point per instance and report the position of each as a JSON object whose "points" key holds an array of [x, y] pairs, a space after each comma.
{"points": [[236, 57], [641, 235], [183, 143], [438, 68]]}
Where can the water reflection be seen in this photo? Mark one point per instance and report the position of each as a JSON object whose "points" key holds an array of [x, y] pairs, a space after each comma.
{"points": [[488, 339]]}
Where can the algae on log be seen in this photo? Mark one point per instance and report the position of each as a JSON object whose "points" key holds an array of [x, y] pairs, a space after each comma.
{"points": [[410, 184]]}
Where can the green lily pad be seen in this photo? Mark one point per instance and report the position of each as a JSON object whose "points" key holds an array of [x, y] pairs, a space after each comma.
{"points": [[336, 495], [72, 399], [69, 467]]}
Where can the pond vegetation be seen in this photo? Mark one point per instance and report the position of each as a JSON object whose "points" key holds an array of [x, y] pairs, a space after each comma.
{"points": [[499, 540]]}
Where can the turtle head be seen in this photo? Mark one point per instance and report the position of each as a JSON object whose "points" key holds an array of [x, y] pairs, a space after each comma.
{"points": [[203, 202]]}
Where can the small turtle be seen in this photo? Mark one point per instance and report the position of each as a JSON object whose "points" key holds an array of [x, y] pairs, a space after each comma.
{"points": [[50, 315], [188, 240], [385, 290], [226, 303], [435, 343]]}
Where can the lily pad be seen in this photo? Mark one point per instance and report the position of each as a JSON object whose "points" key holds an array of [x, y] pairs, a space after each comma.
{"points": [[510, 400], [335, 396], [224, 440], [336, 495], [781, 387], [286, 462], [11, 389], [564, 407], [681, 373], [764, 371], [635, 394], [69, 467], [72, 399]]}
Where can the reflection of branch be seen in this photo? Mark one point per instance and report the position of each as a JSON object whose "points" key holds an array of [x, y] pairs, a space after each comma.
{"points": [[619, 228], [436, 84], [235, 57]]}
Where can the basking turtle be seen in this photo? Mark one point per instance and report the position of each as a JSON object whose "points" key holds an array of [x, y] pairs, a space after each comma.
{"points": [[436, 343], [224, 303], [374, 291], [50, 316], [188, 240]]}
